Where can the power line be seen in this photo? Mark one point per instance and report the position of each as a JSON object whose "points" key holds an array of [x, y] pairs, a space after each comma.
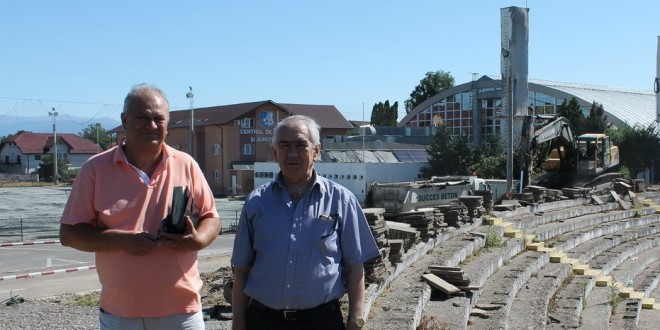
{"points": [[58, 101]]}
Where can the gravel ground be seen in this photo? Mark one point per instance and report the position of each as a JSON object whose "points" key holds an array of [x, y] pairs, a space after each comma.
{"points": [[42, 314], [60, 312]]}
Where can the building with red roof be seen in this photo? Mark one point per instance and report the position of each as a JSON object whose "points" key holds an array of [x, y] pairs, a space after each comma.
{"points": [[22, 153]]}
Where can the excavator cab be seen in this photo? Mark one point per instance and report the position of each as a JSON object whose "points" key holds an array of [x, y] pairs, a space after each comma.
{"points": [[596, 153]]}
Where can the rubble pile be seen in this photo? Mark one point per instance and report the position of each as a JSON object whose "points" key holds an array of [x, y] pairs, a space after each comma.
{"points": [[575, 192], [404, 232], [375, 269], [455, 215], [423, 220], [453, 275], [487, 199], [474, 205], [396, 250]]}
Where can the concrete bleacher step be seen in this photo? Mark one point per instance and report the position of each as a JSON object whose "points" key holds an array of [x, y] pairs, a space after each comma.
{"points": [[648, 303], [535, 246], [603, 281], [493, 221], [580, 269], [637, 295], [625, 292], [648, 202], [593, 272], [506, 226], [515, 233], [558, 257], [573, 262]]}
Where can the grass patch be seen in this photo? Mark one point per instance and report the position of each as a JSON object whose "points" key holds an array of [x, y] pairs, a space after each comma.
{"points": [[90, 299], [583, 285], [614, 298], [494, 239]]}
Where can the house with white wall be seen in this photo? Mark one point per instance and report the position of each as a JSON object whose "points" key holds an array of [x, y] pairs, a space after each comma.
{"points": [[22, 153]]}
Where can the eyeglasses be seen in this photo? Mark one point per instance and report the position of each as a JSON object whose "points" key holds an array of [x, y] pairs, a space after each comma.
{"points": [[335, 224]]}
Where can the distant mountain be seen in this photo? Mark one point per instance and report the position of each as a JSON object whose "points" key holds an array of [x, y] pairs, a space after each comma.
{"points": [[44, 124]]}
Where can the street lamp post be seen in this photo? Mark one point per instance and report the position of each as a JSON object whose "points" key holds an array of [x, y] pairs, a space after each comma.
{"points": [[191, 97], [54, 114]]}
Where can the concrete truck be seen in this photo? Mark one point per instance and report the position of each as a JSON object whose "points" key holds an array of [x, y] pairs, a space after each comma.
{"points": [[398, 197]]}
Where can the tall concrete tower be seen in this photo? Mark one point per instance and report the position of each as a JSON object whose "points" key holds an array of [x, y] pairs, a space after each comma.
{"points": [[514, 67], [656, 85]]}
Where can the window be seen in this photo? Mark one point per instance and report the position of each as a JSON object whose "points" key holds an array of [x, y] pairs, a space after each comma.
{"points": [[215, 149], [37, 157], [216, 175], [247, 123], [248, 149]]}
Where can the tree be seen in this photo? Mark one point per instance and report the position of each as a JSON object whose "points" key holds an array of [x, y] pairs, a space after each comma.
{"points": [[597, 120], [96, 133], [638, 146], [2, 138], [432, 84], [449, 155], [573, 113], [382, 114], [45, 170], [491, 162]]}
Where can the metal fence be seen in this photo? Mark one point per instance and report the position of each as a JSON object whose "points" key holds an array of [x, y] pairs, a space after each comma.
{"points": [[17, 229], [28, 229]]}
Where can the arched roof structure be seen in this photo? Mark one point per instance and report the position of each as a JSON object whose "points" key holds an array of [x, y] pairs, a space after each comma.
{"points": [[630, 106]]}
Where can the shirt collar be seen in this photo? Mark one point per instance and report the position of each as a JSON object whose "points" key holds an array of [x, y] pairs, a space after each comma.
{"points": [[318, 181], [120, 155]]}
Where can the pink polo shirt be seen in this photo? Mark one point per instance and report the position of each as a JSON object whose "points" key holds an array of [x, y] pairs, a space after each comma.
{"points": [[108, 193]]}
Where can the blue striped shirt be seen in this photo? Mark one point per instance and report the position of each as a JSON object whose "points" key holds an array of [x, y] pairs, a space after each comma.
{"points": [[297, 253]]}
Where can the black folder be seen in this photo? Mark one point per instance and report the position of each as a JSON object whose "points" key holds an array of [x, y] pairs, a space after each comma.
{"points": [[175, 222]]}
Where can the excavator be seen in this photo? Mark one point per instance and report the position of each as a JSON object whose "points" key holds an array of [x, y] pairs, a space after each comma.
{"points": [[583, 161]]}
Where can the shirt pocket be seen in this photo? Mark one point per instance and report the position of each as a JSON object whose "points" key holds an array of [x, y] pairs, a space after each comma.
{"points": [[325, 235]]}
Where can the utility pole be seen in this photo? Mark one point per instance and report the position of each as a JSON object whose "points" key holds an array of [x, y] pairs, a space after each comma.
{"points": [[191, 97], [54, 114]]}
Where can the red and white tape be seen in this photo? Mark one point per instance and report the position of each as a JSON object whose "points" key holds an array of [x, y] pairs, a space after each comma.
{"points": [[48, 272], [56, 241]]}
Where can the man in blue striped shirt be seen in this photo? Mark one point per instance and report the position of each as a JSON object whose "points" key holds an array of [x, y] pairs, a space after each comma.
{"points": [[300, 239]]}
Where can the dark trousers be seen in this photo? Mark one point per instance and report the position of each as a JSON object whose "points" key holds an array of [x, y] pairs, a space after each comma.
{"points": [[258, 318]]}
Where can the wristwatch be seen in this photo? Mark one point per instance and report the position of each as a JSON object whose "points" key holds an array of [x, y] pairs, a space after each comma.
{"points": [[358, 320]]}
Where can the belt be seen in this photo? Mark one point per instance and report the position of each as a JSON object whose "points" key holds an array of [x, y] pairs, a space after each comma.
{"points": [[295, 314]]}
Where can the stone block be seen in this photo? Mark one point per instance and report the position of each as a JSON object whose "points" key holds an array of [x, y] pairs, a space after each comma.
{"points": [[647, 303], [514, 233], [535, 246], [604, 281], [558, 258], [493, 221], [507, 226], [625, 292], [580, 269]]}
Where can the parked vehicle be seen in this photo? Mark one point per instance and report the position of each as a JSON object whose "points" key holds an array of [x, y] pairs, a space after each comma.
{"points": [[584, 161], [399, 197]]}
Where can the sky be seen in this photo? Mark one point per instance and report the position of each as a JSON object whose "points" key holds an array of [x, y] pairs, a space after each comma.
{"points": [[82, 57]]}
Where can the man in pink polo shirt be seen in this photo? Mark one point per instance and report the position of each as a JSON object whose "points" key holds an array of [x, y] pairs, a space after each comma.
{"points": [[120, 197]]}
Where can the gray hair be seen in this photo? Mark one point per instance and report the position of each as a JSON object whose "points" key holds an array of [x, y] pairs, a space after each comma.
{"points": [[313, 128], [142, 89]]}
